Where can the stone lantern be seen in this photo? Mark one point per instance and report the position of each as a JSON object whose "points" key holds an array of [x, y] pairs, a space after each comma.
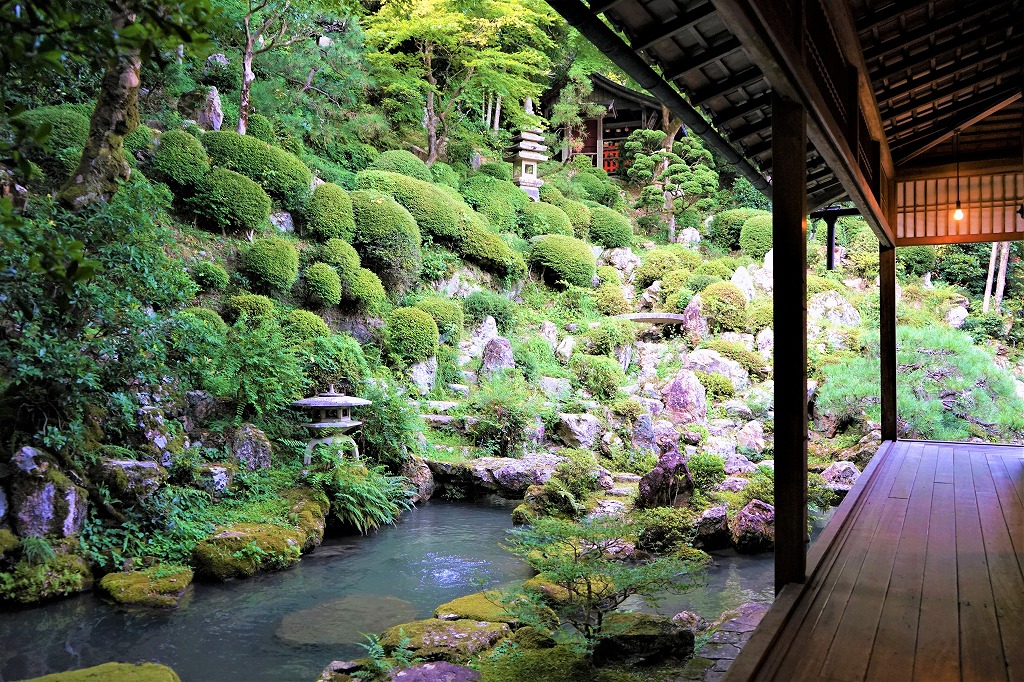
{"points": [[331, 417], [526, 152]]}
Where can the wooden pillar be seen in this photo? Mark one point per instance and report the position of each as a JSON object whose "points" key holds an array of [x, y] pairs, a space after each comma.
{"points": [[887, 338], [789, 241]]}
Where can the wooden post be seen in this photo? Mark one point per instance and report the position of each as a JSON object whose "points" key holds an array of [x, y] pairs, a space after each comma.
{"points": [[887, 338], [789, 241]]}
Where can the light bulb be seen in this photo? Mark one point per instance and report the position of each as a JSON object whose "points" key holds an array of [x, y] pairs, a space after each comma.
{"points": [[958, 214]]}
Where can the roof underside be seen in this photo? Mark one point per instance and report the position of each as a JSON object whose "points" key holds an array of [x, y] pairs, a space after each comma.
{"points": [[934, 66]]}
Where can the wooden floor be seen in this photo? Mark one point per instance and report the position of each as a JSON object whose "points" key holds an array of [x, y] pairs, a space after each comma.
{"points": [[918, 578]]}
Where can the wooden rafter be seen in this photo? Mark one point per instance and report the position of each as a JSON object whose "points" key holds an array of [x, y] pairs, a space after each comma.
{"points": [[740, 80], [681, 23], [676, 70], [977, 62], [946, 22], [762, 103], [953, 90], [983, 50], [883, 16], [964, 118]]}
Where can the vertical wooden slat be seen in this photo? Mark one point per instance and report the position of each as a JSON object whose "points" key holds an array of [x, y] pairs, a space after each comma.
{"points": [[789, 238], [887, 338]]}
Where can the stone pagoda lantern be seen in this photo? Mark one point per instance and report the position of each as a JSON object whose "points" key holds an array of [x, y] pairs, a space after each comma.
{"points": [[525, 153], [331, 417]]}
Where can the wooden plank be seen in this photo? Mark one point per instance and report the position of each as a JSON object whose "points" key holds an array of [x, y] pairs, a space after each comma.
{"points": [[789, 241], [903, 483], [1004, 471], [944, 466], [848, 657], [981, 652], [897, 629], [1005, 576]]}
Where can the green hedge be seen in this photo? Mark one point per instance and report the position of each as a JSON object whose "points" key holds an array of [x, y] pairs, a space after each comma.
{"points": [[499, 200], [260, 127], [756, 236], [502, 170], [364, 288], [725, 227], [564, 259], [231, 201], [387, 239], [444, 175], [485, 303], [661, 261], [179, 160], [210, 276], [609, 299], [305, 326], [609, 228], [281, 174], [725, 307], [253, 306], [323, 285], [447, 314], [410, 335], [401, 161], [329, 213], [543, 218], [340, 255], [271, 263], [69, 131]]}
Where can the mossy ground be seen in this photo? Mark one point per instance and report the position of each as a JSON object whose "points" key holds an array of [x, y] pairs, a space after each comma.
{"points": [[115, 672], [562, 664], [239, 551], [160, 586]]}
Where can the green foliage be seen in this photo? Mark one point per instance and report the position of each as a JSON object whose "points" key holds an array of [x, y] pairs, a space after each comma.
{"points": [[410, 335], [281, 174], [140, 140], [329, 213], [916, 260], [610, 228], [271, 263], [335, 360], [67, 135], [662, 529], [721, 268], [756, 235], [478, 305], [609, 300], [699, 282], [387, 239], [260, 127], [751, 361], [391, 424], [447, 314], [210, 317], [404, 162], [499, 200], [677, 301], [657, 262], [323, 285], [761, 486], [339, 254], [963, 265], [725, 307], [179, 160], [718, 387], [563, 259], [542, 218], [231, 201], [817, 284], [252, 307], [36, 550], [608, 275], [502, 170], [983, 326], [610, 335], [210, 276], [364, 497], [863, 253], [444, 174], [598, 374], [760, 314], [578, 472], [303, 325], [580, 559], [367, 291], [707, 471], [725, 228], [505, 407], [535, 358], [744, 195]]}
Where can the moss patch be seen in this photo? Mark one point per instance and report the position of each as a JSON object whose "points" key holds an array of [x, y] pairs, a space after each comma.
{"points": [[490, 606], [115, 672], [160, 586], [28, 583], [560, 664], [445, 640], [8, 541], [239, 551], [308, 511]]}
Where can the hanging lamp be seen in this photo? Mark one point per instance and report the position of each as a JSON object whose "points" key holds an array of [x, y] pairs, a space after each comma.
{"points": [[958, 214]]}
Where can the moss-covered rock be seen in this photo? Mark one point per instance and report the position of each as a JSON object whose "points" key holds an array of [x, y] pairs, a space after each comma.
{"points": [[8, 542], [642, 638], [115, 672], [309, 509], [491, 606], [129, 479], [44, 501], [160, 586], [454, 641], [60, 576], [239, 551], [547, 589], [530, 638]]}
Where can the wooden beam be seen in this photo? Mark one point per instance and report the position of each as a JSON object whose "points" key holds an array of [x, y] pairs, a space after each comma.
{"points": [[958, 16], [961, 239], [965, 118], [888, 13], [887, 338], [984, 52], [789, 243], [760, 102], [736, 82], [711, 54], [684, 21], [738, 133], [1000, 164], [957, 87], [978, 63], [604, 6]]}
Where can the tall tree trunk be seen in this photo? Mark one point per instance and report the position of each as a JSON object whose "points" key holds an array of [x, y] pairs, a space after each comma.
{"points": [[497, 112], [671, 126], [490, 107], [115, 116], [1004, 256], [991, 274], [245, 98]]}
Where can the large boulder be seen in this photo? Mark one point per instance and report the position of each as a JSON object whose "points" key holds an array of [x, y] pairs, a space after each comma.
{"points": [[44, 501], [455, 641], [578, 430], [162, 439], [623, 260], [751, 436], [115, 672], [160, 586], [251, 448], [309, 509], [643, 433], [565, 349], [497, 356], [753, 529], [830, 306], [766, 342], [685, 398], [738, 464], [241, 550], [744, 282], [956, 316], [555, 388], [712, 362], [437, 671], [694, 322], [642, 638], [711, 530], [841, 476], [511, 477], [130, 479], [416, 470], [423, 375], [666, 483]]}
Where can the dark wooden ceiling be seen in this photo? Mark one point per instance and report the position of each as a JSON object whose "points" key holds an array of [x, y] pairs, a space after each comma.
{"points": [[935, 66]]}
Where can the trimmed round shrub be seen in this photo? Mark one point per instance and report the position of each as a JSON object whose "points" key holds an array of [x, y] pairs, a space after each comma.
{"points": [[659, 261], [447, 314], [231, 201], [499, 200], [579, 215], [404, 162], [608, 275], [340, 255], [756, 236], [252, 306], [598, 374], [502, 170], [305, 326], [139, 139], [272, 263], [410, 335], [563, 259], [590, 187], [490, 251], [724, 231], [387, 239], [677, 301], [609, 299], [610, 335], [541, 218], [700, 282], [365, 289], [179, 160], [718, 387], [69, 132], [209, 275], [329, 213], [208, 316], [674, 280], [444, 174], [260, 127], [609, 228], [281, 174], [336, 359], [436, 212], [725, 307], [760, 314], [481, 304], [720, 268], [323, 285]]}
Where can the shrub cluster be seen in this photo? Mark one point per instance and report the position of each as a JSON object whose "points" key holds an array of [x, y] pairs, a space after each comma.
{"points": [[402, 161], [281, 174], [756, 235], [445, 175], [543, 218], [329, 213], [481, 304], [722, 268], [609, 228], [725, 307], [260, 127], [447, 314], [231, 201], [609, 299], [662, 260], [612, 334], [598, 374], [69, 132], [410, 335], [502, 170], [718, 387], [323, 285], [499, 200], [724, 231], [271, 263], [563, 259], [760, 314], [387, 239], [252, 306], [210, 276], [179, 160], [751, 361], [340, 255], [305, 326]]}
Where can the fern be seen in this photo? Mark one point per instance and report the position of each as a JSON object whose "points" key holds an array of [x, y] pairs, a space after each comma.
{"points": [[36, 550]]}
